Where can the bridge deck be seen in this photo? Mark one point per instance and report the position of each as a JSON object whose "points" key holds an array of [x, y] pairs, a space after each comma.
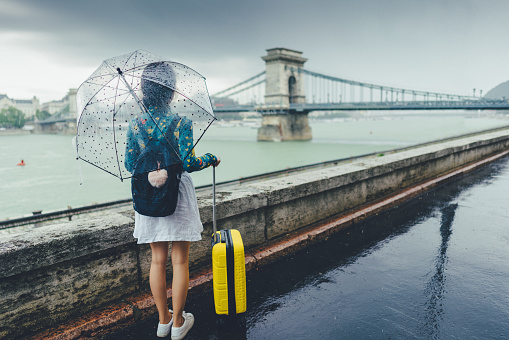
{"points": [[370, 106]]}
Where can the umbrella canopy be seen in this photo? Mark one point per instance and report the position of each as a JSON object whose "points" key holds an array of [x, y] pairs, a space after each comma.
{"points": [[134, 93]]}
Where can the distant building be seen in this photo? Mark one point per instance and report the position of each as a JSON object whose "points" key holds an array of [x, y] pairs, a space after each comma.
{"points": [[28, 106], [66, 105], [222, 101], [63, 115], [53, 106]]}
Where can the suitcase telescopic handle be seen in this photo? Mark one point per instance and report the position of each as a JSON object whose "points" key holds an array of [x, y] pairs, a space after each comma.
{"points": [[214, 202]]}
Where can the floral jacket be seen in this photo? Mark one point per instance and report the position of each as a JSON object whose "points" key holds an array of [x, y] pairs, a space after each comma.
{"points": [[183, 133]]}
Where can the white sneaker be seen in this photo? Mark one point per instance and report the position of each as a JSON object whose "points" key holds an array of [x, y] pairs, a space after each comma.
{"points": [[178, 333], [164, 329]]}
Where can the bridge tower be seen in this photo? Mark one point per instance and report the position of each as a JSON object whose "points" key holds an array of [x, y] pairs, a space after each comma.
{"points": [[284, 86]]}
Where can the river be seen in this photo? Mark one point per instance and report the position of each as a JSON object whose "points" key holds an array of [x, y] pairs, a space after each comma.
{"points": [[52, 179]]}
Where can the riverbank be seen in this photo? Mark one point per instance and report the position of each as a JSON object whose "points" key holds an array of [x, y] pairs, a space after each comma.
{"points": [[14, 132], [65, 271]]}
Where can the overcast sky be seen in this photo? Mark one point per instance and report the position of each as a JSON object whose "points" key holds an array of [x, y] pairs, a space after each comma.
{"points": [[452, 46]]}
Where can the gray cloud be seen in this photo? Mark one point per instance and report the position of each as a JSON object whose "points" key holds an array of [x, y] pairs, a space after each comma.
{"points": [[447, 45]]}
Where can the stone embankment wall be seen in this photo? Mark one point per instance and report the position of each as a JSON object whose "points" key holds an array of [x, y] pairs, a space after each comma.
{"points": [[58, 272], [14, 132]]}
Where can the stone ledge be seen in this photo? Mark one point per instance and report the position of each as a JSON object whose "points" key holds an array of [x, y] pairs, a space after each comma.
{"points": [[52, 244]]}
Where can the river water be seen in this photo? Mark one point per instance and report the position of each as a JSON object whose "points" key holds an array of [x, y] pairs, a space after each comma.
{"points": [[52, 179]]}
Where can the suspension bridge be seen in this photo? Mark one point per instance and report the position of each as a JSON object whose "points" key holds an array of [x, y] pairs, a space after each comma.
{"points": [[286, 92]]}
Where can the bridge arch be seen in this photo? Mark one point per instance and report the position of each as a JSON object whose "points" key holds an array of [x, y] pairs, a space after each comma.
{"points": [[292, 84], [280, 69]]}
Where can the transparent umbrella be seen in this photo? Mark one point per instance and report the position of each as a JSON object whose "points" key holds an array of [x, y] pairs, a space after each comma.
{"points": [[136, 93]]}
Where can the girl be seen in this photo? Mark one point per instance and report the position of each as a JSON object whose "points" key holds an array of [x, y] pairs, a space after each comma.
{"points": [[184, 225]]}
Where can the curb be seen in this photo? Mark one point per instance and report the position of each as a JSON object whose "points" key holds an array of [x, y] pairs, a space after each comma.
{"points": [[140, 306]]}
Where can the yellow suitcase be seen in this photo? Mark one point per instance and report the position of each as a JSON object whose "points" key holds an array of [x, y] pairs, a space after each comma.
{"points": [[228, 267], [229, 273]]}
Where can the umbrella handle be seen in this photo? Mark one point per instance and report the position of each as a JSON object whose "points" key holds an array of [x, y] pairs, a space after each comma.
{"points": [[214, 201]]}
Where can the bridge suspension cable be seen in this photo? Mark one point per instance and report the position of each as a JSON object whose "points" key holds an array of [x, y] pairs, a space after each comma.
{"points": [[322, 88], [248, 92]]}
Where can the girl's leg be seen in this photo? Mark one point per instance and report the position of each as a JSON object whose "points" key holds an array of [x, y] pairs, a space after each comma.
{"points": [[180, 285], [158, 279]]}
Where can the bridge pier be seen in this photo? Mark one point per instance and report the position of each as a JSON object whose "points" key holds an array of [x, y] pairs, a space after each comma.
{"points": [[284, 127], [284, 85]]}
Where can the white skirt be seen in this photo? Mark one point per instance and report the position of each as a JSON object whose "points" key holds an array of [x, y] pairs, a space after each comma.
{"points": [[183, 225]]}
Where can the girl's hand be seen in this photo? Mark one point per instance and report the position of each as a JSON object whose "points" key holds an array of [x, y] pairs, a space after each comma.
{"points": [[218, 161]]}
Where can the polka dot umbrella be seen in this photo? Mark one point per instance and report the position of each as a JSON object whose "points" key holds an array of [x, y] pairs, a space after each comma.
{"points": [[136, 100]]}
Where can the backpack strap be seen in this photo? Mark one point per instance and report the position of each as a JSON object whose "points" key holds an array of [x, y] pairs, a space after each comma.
{"points": [[169, 135], [142, 130]]}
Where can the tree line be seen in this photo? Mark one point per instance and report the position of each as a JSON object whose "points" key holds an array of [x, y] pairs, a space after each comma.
{"points": [[12, 117]]}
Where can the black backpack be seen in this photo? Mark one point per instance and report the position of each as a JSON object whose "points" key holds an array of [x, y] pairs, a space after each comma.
{"points": [[160, 200]]}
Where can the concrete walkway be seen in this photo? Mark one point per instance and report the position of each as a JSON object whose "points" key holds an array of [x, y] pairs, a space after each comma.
{"points": [[434, 267]]}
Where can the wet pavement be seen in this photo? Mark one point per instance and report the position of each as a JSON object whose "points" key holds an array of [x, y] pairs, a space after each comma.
{"points": [[436, 267]]}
